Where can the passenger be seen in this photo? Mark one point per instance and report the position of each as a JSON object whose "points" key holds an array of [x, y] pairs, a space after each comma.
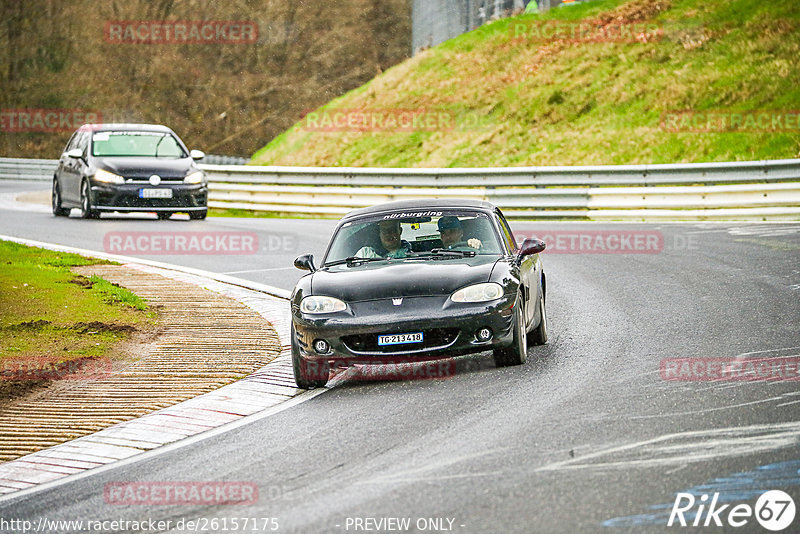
{"points": [[392, 245], [453, 234]]}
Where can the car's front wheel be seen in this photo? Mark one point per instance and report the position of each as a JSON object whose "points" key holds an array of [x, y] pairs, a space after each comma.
{"points": [[198, 215], [58, 211], [86, 203], [307, 375], [163, 215], [517, 353]]}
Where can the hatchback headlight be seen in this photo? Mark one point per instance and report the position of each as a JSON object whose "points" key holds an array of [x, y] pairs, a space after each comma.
{"points": [[478, 293], [196, 177], [108, 177], [319, 304]]}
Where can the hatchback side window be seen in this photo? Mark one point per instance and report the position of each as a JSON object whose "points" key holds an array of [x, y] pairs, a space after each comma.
{"points": [[83, 142], [71, 143]]}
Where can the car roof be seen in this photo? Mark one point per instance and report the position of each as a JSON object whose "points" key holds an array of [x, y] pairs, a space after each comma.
{"points": [[124, 126], [420, 205]]}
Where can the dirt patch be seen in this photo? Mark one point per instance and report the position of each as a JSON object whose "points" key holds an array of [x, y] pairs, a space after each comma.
{"points": [[94, 327], [83, 282], [32, 325], [636, 11], [16, 389]]}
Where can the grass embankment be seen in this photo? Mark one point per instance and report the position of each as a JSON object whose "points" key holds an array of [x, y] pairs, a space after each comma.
{"points": [[49, 314], [518, 99]]}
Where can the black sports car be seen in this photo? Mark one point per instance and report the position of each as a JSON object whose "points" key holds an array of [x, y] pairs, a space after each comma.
{"points": [[129, 167], [415, 281]]}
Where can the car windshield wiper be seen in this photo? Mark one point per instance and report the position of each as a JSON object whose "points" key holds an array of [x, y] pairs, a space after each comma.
{"points": [[352, 260], [453, 253]]}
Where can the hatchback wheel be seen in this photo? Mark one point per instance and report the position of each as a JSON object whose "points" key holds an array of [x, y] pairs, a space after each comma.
{"points": [[58, 211], [86, 203]]}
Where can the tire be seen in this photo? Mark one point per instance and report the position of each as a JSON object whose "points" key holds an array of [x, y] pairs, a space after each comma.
{"points": [[539, 334], [517, 353], [58, 211], [307, 375], [86, 203], [198, 215], [163, 215]]}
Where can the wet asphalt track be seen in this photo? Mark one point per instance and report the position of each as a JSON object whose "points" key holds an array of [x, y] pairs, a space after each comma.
{"points": [[585, 437]]}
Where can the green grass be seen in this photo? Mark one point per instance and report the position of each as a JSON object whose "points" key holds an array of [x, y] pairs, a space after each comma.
{"points": [[518, 101], [253, 214], [46, 311]]}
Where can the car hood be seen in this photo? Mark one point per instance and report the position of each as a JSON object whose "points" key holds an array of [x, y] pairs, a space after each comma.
{"points": [[146, 167], [380, 280]]}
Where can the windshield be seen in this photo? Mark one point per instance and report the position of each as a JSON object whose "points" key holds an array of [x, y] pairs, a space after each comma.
{"points": [[137, 144], [448, 234]]}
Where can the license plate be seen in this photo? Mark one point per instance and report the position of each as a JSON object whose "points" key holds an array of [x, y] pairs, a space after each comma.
{"points": [[155, 193], [399, 339]]}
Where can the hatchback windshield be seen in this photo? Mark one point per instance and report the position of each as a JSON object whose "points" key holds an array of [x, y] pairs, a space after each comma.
{"points": [[137, 144], [448, 234]]}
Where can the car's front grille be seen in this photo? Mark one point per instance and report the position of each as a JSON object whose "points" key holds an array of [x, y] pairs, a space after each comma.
{"points": [[435, 338], [146, 181]]}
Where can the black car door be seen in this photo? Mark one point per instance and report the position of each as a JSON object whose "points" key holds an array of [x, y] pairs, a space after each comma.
{"points": [[528, 277], [65, 167], [75, 169]]}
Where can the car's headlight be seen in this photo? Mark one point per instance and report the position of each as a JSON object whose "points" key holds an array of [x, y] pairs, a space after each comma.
{"points": [[194, 178], [108, 177], [319, 304], [478, 293]]}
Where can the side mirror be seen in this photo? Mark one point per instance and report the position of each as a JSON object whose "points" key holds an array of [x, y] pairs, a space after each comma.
{"points": [[197, 154], [305, 263], [75, 153], [531, 246]]}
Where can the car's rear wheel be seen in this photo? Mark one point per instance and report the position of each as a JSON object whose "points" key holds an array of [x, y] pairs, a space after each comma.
{"points": [[58, 211], [198, 215], [539, 334], [517, 353], [86, 203], [307, 375], [162, 215]]}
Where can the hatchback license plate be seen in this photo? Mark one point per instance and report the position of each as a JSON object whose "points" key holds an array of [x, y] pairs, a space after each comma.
{"points": [[399, 339], [155, 193]]}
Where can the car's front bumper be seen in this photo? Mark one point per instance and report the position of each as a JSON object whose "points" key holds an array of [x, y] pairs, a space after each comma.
{"points": [[125, 197], [449, 329]]}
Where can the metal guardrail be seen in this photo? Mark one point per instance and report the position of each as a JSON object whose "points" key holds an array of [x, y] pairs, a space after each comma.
{"points": [[27, 169], [756, 190], [743, 190]]}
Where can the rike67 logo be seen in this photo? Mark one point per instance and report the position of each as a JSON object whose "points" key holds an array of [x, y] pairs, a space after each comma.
{"points": [[774, 510]]}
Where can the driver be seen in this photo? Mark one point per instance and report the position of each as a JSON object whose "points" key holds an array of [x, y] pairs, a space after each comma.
{"points": [[453, 234], [392, 245]]}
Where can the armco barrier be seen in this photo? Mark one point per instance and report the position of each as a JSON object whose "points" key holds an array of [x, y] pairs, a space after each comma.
{"points": [[755, 190], [758, 190]]}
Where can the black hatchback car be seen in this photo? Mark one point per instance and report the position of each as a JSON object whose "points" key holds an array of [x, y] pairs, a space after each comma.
{"points": [[415, 281], [129, 168]]}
